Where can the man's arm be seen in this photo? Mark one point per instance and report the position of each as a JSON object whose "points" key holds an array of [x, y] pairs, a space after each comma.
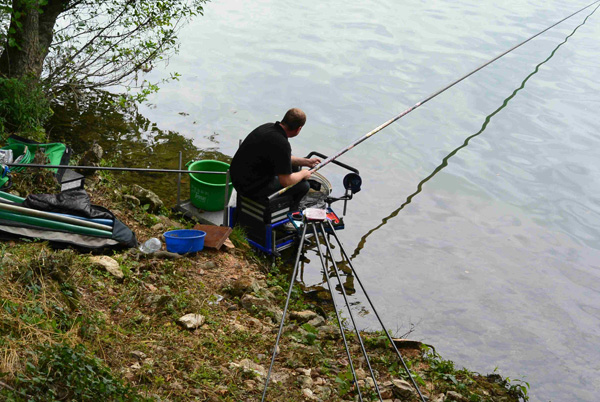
{"points": [[312, 162], [291, 179]]}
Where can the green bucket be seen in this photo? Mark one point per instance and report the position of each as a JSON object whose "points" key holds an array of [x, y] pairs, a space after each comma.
{"points": [[18, 150], [207, 191]]}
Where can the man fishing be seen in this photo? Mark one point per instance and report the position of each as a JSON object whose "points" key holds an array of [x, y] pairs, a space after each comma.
{"points": [[264, 162]]}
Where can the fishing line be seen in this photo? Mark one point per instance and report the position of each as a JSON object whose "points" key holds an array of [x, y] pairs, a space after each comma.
{"points": [[427, 99], [444, 163]]}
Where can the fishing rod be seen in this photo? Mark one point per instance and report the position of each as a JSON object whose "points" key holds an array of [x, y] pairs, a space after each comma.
{"points": [[119, 169], [427, 99], [444, 162]]}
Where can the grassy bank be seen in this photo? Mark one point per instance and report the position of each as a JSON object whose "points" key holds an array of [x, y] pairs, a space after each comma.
{"points": [[70, 330]]}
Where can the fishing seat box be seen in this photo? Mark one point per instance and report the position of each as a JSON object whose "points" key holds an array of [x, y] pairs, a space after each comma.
{"points": [[261, 217]]}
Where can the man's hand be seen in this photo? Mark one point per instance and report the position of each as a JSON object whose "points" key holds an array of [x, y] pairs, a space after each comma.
{"points": [[305, 174], [312, 162], [291, 179]]}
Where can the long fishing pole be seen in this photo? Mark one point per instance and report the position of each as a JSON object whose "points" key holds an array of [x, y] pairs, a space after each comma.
{"points": [[427, 99], [118, 169], [445, 161]]}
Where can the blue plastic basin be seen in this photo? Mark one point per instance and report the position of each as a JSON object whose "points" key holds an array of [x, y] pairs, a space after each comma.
{"points": [[184, 240]]}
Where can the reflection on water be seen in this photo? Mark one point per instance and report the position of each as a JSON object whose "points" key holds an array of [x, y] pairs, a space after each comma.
{"points": [[128, 139], [317, 289], [384, 221], [498, 259]]}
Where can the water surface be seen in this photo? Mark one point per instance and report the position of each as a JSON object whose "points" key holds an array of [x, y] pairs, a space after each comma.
{"points": [[480, 212]]}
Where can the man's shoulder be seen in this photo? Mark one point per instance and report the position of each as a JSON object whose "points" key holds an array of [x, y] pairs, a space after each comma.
{"points": [[268, 128], [268, 132]]}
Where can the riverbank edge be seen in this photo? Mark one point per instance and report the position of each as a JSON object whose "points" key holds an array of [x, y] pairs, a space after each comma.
{"points": [[63, 309]]}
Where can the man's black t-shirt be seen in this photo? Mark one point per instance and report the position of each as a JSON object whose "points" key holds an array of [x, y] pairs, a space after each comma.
{"points": [[264, 154]]}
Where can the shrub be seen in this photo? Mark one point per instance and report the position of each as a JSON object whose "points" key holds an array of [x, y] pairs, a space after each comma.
{"points": [[24, 107], [63, 373]]}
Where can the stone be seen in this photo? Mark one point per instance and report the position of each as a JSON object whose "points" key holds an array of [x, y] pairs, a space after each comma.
{"points": [[207, 265], [305, 381], [228, 245], [386, 390], [277, 291], [386, 393], [304, 371], [439, 398], [191, 321], [91, 157], [361, 374], [255, 323], [150, 287], [250, 302], [111, 265], [265, 294], [131, 200], [308, 394], [128, 374], [256, 304], [303, 316], [8, 260], [237, 327], [159, 227], [317, 322], [324, 393], [366, 383], [147, 197], [279, 377], [328, 332], [402, 389], [455, 396], [242, 286], [138, 355], [169, 223], [176, 386], [249, 366]]}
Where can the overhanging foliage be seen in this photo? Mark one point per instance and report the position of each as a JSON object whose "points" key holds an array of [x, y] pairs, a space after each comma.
{"points": [[92, 43]]}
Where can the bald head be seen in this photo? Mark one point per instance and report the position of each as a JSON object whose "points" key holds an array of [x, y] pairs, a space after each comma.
{"points": [[294, 118]]}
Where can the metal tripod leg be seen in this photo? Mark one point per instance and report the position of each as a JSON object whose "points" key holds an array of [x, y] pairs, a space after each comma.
{"points": [[337, 274], [345, 255], [320, 252], [287, 301]]}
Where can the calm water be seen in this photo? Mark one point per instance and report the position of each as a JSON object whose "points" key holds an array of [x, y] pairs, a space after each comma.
{"points": [[480, 212]]}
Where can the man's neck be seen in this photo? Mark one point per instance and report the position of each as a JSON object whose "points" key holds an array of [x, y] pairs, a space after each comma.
{"points": [[289, 133]]}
